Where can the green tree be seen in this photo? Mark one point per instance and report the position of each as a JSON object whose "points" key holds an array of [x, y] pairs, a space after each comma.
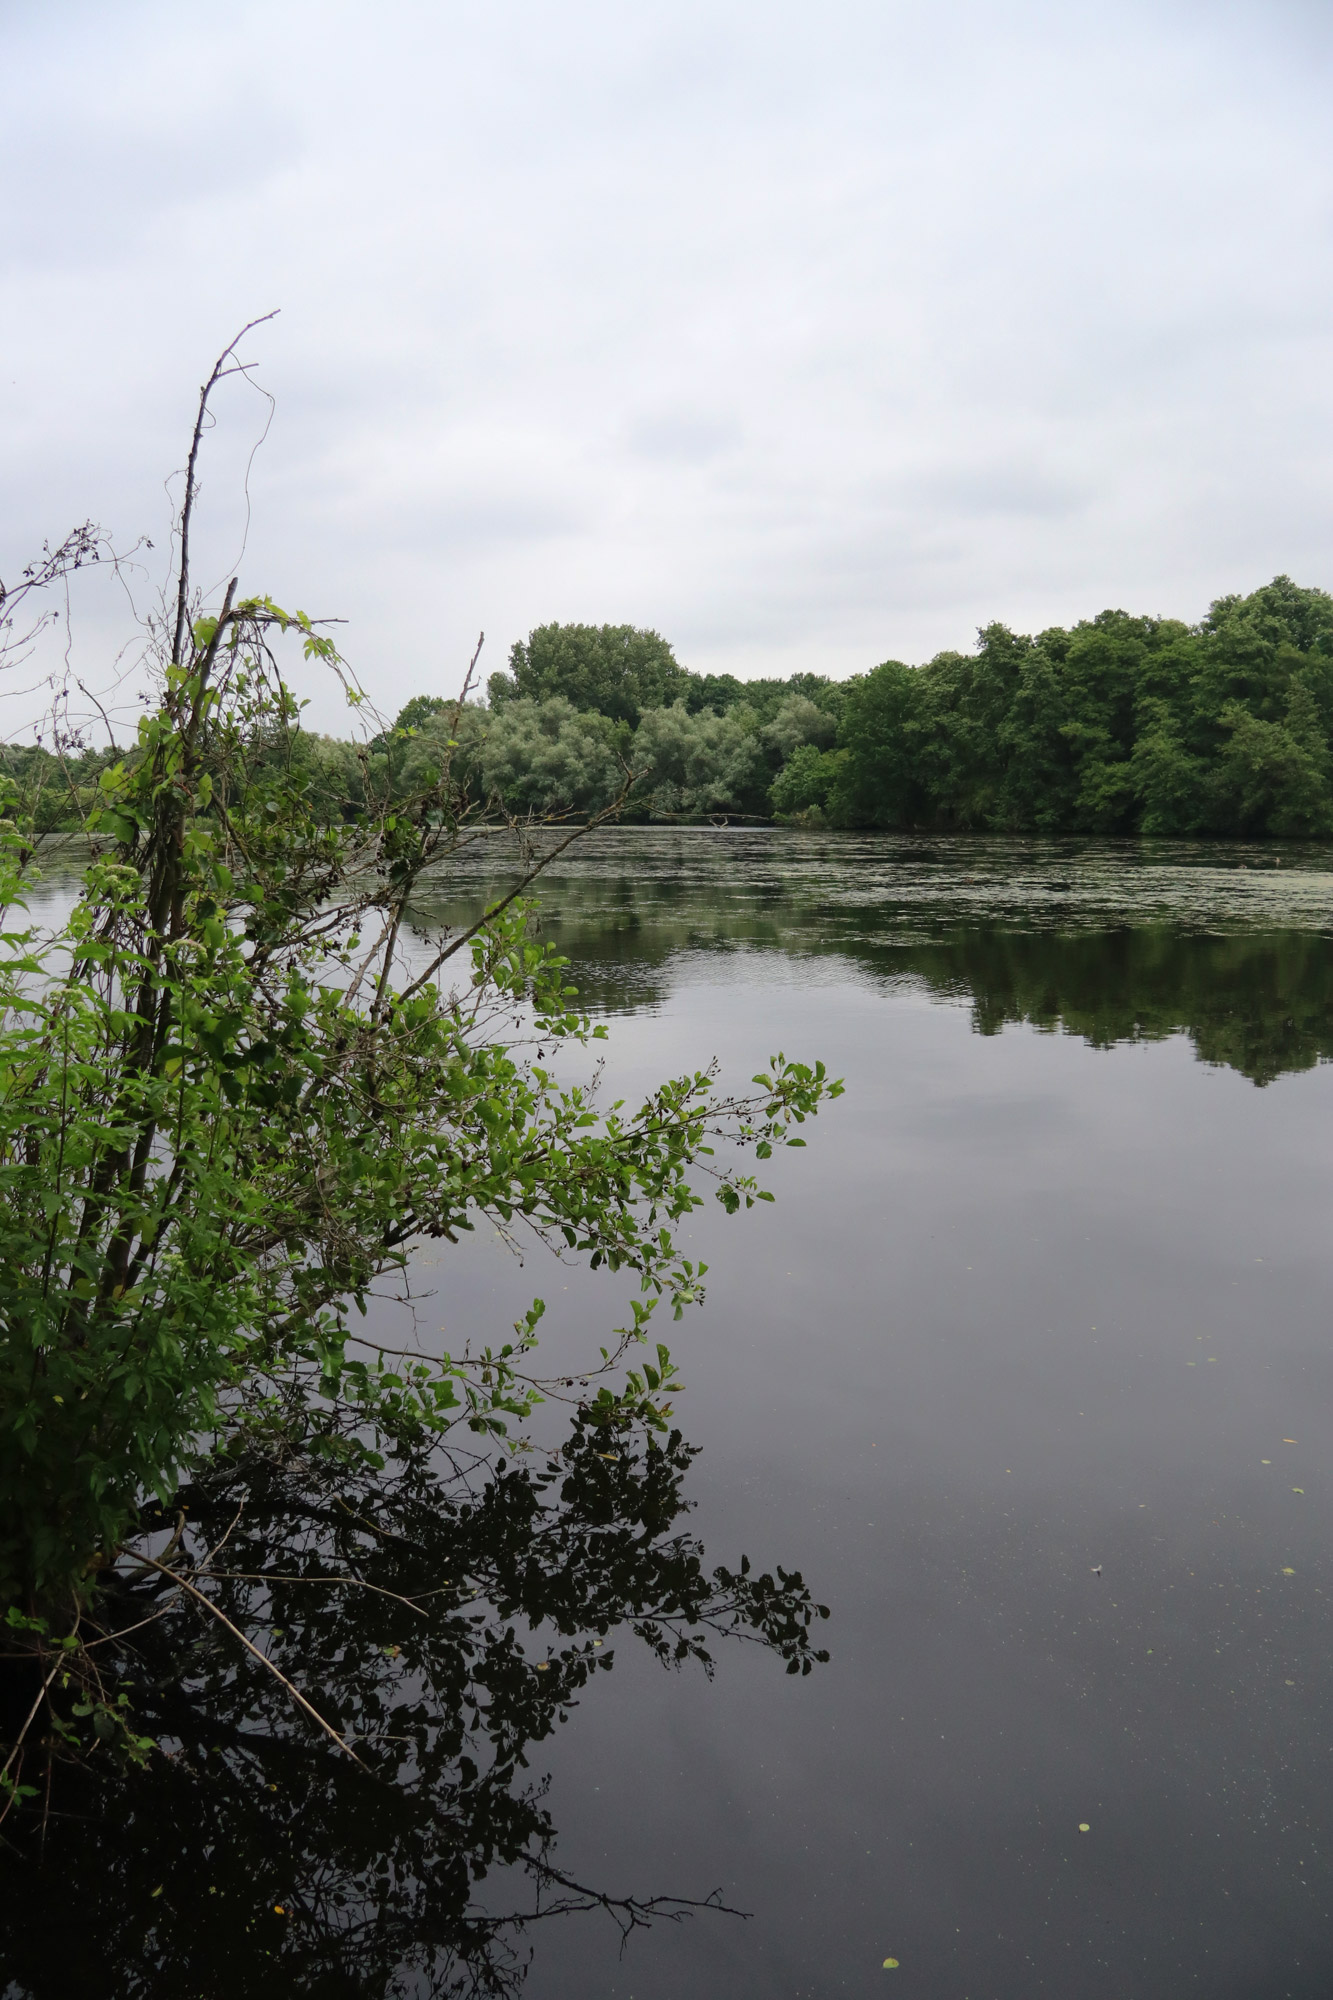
{"points": [[877, 783], [797, 721], [1272, 777], [1120, 724], [548, 757], [691, 765], [228, 1104], [803, 786], [618, 670], [420, 709]]}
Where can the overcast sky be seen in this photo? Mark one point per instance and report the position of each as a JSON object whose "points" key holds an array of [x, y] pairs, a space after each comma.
{"points": [[810, 336]]}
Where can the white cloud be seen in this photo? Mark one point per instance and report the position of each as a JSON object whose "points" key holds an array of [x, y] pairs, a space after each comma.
{"points": [[807, 337]]}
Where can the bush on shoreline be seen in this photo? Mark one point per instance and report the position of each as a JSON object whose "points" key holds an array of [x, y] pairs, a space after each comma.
{"points": [[238, 1089]]}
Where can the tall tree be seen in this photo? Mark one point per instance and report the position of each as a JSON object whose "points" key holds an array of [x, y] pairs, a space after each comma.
{"points": [[619, 670]]}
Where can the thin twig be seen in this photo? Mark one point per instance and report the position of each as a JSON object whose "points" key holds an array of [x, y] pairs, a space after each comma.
{"points": [[187, 505], [222, 1541], [123, 1631], [31, 1716], [543, 862], [274, 1576], [263, 1658]]}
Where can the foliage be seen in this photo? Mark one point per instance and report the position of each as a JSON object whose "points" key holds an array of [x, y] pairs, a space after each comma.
{"points": [[548, 759], [55, 790], [230, 1101], [422, 708], [764, 695], [236, 1088], [875, 785], [1120, 725], [691, 765], [616, 670], [624, 672], [796, 723], [801, 790]]}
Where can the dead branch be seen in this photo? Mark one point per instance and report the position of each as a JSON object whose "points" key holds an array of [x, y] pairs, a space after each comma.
{"points": [[219, 373], [175, 1577]]}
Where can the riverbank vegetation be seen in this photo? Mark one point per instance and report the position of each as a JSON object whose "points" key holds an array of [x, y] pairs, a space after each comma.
{"points": [[238, 1087], [1118, 725]]}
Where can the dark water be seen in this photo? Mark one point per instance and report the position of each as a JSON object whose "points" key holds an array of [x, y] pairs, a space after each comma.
{"points": [[1028, 1372]]}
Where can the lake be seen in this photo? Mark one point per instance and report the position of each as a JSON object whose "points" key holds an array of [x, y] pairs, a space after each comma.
{"points": [[1027, 1371]]}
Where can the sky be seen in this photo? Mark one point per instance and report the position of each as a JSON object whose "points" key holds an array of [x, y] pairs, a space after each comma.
{"points": [[807, 336]]}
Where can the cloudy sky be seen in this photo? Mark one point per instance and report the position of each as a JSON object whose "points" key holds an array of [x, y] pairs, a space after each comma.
{"points": [[810, 336]]}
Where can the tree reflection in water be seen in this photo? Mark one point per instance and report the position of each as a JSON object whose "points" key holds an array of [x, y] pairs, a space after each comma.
{"points": [[250, 1856]]}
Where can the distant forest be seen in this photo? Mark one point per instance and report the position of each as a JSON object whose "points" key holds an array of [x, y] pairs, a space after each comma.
{"points": [[1118, 725]]}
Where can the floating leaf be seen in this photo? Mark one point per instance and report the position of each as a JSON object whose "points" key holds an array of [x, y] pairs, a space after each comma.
{"points": [[889, 1964], [1288, 1572], [1084, 1827], [1298, 1489]]}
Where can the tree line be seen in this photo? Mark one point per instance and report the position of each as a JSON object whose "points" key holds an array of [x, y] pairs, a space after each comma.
{"points": [[1120, 724]]}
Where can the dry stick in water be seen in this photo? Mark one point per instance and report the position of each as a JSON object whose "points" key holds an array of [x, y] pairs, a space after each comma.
{"points": [[263, 1658], [28, 1721]]}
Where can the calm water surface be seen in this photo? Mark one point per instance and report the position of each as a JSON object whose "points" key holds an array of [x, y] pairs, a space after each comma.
{"points": [[1029, 1371], [1010, 1373]]}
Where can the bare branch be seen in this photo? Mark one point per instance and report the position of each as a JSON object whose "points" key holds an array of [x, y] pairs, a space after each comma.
{"points": [[28, 1720], [359, 1582], [220, 370], [200, 1596]]}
